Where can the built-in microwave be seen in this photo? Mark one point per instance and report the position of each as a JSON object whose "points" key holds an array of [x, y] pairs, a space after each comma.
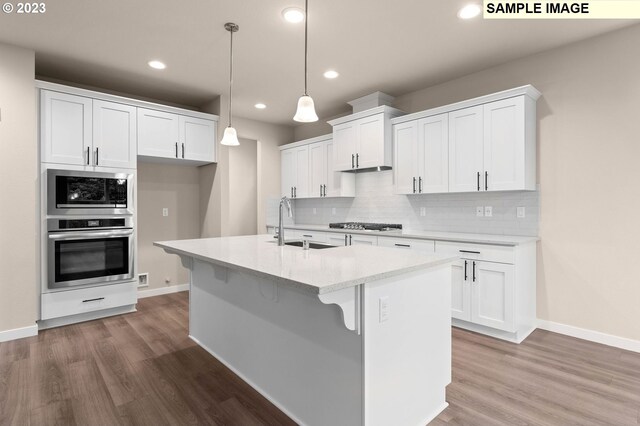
{"points": [[89, 193]]}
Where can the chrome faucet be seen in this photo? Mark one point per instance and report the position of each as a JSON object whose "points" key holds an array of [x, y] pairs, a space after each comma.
{"points": [[284, 201]]}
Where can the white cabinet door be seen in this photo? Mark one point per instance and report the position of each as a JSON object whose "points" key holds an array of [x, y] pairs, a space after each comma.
{"points": [[370, 137], [198, 139], [493, 295], [158, 134], [313, 236], [317, 169], [66, 128], [406, 159], [288, 172], [465, 150], [337, 239], [461, 290], [433, 150], [114, 135], [301, 158], [504, 144], [365, 240], [344, 146], [339, 184]]}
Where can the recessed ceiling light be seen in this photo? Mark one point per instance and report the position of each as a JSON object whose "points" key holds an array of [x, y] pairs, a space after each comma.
{"points": [[331, 74], [469, 11], [260, 106], [293, 15], [157, 65]]}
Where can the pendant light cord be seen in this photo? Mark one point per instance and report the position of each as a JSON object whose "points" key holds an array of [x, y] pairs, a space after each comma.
{"points": [[230, 76], [306, 20]]}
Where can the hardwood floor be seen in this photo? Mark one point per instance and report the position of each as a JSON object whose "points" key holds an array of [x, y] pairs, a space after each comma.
{"points": [[142, 369]]}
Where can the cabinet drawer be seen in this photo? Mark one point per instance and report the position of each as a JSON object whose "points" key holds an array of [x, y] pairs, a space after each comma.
{"points": [[299, 234], [489, 253], [72, 302], [406, 243]]}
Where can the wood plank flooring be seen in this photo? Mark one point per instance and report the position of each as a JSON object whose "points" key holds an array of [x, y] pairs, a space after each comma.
{"points": [[142, 369]]}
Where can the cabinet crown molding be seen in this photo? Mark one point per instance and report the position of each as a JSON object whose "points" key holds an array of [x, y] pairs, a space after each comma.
{"points": [[526, 90], [307, 141], [393, 112]]}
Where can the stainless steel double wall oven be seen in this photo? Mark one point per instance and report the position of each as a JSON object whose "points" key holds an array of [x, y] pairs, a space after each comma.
{"points": [[91, 239]]}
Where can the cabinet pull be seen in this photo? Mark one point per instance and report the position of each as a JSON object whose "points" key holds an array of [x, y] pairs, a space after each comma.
{"points": [[478, 181], [486, 181], [465, 270], [307, 235], [474, 271], [176, 149], [414, 185], [357, 161], [403, 245], [350, 237], [292, 192], [325, 190], [183, 150], [321, 190], [93, 300], [469, 251], [88, 155], [345, 239], [420, 185], [295, 192], [352, 161], [97, 156]]}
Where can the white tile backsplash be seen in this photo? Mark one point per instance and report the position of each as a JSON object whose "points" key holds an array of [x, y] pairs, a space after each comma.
{"points": [[456, 212]]}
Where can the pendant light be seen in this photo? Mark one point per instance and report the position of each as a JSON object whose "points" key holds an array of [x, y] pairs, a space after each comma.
{"points": [[306, 112], [230, 137]]}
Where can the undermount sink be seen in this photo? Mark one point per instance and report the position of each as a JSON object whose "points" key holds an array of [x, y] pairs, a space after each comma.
{"points": [[311, 245]]}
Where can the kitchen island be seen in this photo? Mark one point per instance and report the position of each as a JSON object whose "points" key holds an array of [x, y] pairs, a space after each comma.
{"points": [[339, 336]]}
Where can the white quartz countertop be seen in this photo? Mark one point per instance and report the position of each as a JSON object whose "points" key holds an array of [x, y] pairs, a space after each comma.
{"points": [[316, 270], [505, 240]]}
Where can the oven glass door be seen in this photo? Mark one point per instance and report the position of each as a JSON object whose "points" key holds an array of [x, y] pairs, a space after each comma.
{"points": [[83, 258], [90, 192]]}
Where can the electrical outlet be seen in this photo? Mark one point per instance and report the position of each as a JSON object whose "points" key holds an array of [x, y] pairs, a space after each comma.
{"points": [[423, 211], [488, 211], [479, 211], [383, 303], [520, 212], [333, 211], [314, 211], [165, 212], [143, 279]]}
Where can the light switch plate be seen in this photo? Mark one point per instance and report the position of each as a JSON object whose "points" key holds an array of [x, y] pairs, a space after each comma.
{"points": [[333, 210], [479, 211], [165, 212], [384, 308], [520, 212], [423, 211], [488, 211], [314, 210]]}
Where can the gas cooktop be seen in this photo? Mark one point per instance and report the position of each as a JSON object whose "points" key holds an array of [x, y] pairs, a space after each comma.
{"points": [[360, 226]]}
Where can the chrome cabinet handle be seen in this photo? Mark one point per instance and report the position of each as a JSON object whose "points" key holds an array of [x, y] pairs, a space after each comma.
{"points": [[486, 181], [414, 185], [88, 155], [357, 161], [176, 149], [474, 271], [352, 161], [465, 271], [478, 181], [183, 150], [420, 185]]}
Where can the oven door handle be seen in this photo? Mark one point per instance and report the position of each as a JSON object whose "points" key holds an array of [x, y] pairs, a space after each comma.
{"points": [[89, 234]]}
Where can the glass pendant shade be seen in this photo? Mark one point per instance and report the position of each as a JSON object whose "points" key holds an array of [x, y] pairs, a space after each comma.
{"points": [[306, 112], [230, 137]]}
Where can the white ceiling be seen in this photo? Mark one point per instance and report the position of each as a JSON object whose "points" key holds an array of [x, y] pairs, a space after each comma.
{"points": [[393, 46]]}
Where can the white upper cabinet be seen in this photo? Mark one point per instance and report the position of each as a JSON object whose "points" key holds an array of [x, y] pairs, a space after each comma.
{"points": [[114, 135], [198, 139], [158, 134], [363, 140], [465, 150], [483, 144], [81, 131], [307, 170], [173, 136], [421, 155], [66, 122]]}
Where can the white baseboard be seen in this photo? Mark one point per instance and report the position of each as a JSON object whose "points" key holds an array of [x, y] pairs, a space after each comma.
{"points": [[163, 290], [18, 333], [592, 336]]}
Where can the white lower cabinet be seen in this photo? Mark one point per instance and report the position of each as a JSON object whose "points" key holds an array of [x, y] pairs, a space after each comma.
{"points": [[426, 246], [493, 288], [342, 239]]}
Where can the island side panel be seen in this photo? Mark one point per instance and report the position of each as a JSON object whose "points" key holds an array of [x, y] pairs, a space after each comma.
{"points": [[407, 356], [285, 343]]}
